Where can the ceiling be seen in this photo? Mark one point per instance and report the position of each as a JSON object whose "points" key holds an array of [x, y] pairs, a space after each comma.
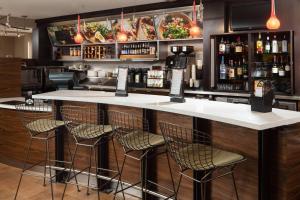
{"points": [[39, 9]]}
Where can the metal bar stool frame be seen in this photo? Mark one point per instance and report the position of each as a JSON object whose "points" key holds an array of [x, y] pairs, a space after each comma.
{"points": [[88, 131], [193, 150], [133, 134], [38, 119]]}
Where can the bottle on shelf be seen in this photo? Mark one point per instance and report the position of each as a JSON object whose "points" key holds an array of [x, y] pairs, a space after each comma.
{"points": [[268, 45], [275, 48], [245, 68], [222, 47], [287, 67], [284, 45], [238, 46], [239, 70], [275, 68], [259, 45], [223, 70], [227, 47], [281, 70], [232, 71]]}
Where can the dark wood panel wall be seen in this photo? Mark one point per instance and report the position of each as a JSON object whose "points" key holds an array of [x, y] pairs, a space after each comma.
{"points": [[10, 77]]}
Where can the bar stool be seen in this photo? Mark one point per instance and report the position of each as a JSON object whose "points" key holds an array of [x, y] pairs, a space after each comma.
{"points": [[88, 131], [38, 119], [193, 150], [133, 134]]}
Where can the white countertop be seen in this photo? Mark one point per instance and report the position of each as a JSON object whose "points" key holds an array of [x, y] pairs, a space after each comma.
{"points": [[235, 114], [6, 106]]}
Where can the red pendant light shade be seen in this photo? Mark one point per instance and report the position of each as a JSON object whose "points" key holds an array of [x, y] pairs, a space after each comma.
{"points": [[78, 37], [122, 36], [195, 30], [273, 22]]}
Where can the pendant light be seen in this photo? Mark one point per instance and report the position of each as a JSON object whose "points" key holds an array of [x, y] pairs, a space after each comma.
{"points": [[195, 30], [273, 22], [78, 37], [122, 36]]}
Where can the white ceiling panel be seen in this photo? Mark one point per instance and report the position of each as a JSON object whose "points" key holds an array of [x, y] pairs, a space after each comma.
{"points": [[38, 9]]}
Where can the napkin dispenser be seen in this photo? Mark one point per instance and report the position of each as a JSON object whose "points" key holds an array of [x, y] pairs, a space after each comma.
{"points": [[262, 98]]}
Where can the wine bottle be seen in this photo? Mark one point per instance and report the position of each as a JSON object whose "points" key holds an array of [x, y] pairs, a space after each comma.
{"points": [[284, 45], [245, 68], [239, 70], [275, 45], [259, 45], [232, 70], [281, 70], [275, 68], [268, 45], [223, 70], [222, 47], [227, 47], [238, 46], [287, 67]]}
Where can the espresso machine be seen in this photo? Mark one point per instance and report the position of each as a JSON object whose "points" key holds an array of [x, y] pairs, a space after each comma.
{"points": [[183, 57]]}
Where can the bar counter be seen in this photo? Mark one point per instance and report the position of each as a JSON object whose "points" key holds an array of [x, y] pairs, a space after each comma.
{"points": [[269, 141]]}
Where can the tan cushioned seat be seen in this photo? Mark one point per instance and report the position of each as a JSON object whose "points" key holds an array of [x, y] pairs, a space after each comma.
{"points": [[44, 125], [199, 157], [89, 131], [141, 140]]}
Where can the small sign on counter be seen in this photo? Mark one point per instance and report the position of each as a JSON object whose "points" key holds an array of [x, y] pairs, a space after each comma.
{"points": [[122, 89], [176, 92]]}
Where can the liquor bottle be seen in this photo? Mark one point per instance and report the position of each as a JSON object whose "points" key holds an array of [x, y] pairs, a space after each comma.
{"points": [[275, 68], [245, 68], [238, 46], [227, 47], [239, 70], [287, 67], [275, 45], [223, 70], [268, 45], [259, 45], [281, 70], [222, 47], [232, 70], [284, 45]]}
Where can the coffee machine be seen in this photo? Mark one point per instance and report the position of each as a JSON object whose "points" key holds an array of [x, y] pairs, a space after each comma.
{"points": [[183, 58]]}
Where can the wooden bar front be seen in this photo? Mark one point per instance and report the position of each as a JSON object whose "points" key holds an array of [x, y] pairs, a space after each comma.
{"points": [[283, 180]]}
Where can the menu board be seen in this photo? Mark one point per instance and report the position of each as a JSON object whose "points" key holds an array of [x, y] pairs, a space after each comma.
{"points": [[174, 25], [121, 89], [177, 80]]}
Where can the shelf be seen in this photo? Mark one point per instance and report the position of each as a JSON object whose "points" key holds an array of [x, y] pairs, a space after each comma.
{"points": [[67, 45], [102, 60]]}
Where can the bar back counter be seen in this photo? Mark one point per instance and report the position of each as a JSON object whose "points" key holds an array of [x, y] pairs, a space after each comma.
{"points": [[268, 140]]}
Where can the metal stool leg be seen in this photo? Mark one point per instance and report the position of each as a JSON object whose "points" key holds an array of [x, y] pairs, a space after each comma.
{"points": [[50, 169], [72, 167], [171, 174], [234, 185], [96, 172], [89, 171], [45, 166], [69, 150], [120, 178], [24, 166], [144, 179], [177, 190], [119, 172]]}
